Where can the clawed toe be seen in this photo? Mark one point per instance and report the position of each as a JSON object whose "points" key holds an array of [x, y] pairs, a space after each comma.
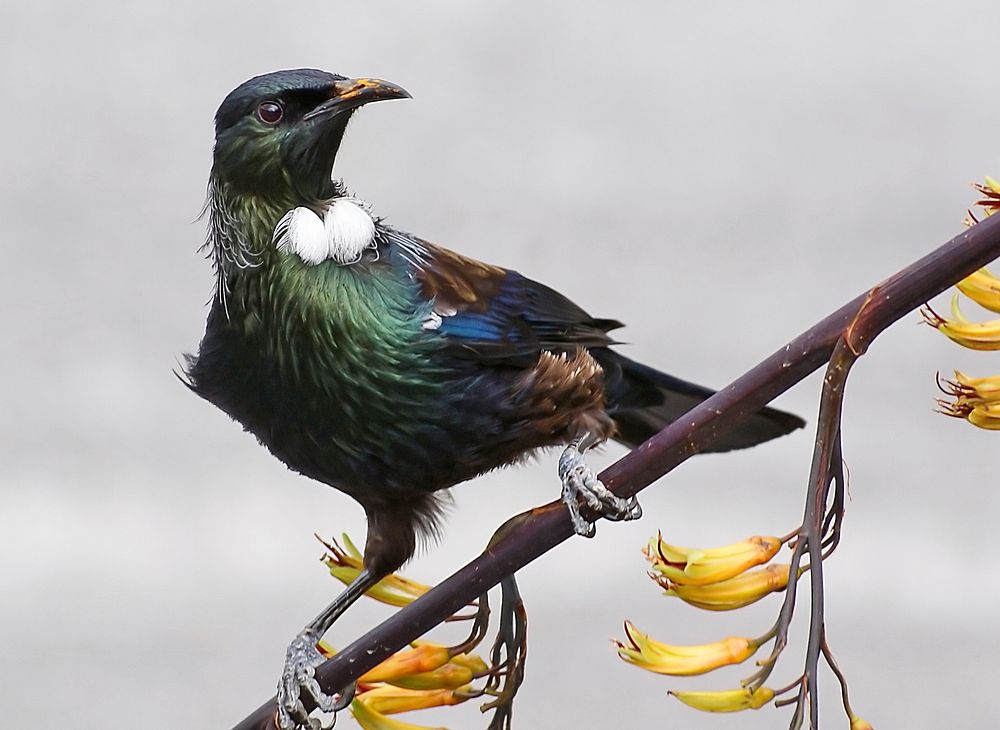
{"points": [[579, 482], [298, 678], [628, 509]]}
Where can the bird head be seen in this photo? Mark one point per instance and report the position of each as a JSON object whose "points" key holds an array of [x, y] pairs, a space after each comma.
{"points": [[277, 135]]}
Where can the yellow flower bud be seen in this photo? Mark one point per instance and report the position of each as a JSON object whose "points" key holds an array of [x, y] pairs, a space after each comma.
{"points": [[976, 391], [696, 567], [424, 658], [990, 202], [732, 700], [986, 416], [679, 661], [345, 564], [388, 700], [448, 676], [473, 662], [991, 196], [736, 592], [960, 329], [976, 400], [858, 723], [983, 288], [370, 719]]}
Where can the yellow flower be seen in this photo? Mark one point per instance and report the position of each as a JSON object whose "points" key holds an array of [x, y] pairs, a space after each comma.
{"points": [[983, 288], [345, 564], [448, 676], [733, 593], [987, 417], [976, 399], [978, 390], [960, 329], [425, 675], [473, 662], [731, 700], [696, 567], [858, 723], [370, 719], [389, 700], [681, 661], [991, 196], [421, 659], [413, 679], [990, 202], [971, 392]]}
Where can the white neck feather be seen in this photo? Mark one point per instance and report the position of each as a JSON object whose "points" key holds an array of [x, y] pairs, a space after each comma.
{"points": [[340, 232]]}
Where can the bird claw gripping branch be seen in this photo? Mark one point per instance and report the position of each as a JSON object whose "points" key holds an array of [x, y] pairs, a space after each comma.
{"points": [[298, 676], [579, 482]]}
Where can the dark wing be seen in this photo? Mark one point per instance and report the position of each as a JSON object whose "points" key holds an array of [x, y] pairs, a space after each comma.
{"points": [[644, 400], [494, 314]]}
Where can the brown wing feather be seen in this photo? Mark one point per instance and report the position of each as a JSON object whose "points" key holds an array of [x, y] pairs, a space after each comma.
{"points": [[458, 283]]}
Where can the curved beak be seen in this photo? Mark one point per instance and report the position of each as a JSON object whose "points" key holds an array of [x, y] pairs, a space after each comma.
{"points": [[349, 94]]}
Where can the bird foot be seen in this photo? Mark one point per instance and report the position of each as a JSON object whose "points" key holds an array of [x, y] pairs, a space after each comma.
{"points": [[298, 677], [579, 482]]}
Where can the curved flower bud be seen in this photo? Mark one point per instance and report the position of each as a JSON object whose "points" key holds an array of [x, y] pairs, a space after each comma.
{"points": [[731, 700], [960, 329], [389, 700], [733, 593], [985, 416], [696, 567], [447, 676], [990, 191], [370, 719], [680, 661], [990, 202], [421, 659], [975, 391], [858, 723], [473, 662], [983, 288], [345, 563], [976, 399]]}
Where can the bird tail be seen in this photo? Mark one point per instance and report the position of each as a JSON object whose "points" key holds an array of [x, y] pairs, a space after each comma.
{"points": [[643, 401]]}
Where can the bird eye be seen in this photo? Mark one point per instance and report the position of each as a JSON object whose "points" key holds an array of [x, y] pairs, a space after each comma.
{"points": [[270, 112]]}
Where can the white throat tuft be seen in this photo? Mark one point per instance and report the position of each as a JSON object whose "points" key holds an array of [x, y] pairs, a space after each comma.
{"points": [[340, 232]]}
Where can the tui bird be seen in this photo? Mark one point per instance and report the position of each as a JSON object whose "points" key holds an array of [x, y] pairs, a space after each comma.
{"points": [[386, 366]]}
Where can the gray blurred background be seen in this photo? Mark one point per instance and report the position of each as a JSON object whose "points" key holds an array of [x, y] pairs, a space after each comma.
{"points": [[717, 175]]}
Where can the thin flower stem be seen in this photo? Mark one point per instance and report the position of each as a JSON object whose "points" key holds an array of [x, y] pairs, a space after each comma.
{"points": [[790, 536], [780, 630], [835, 668], [787, 688]]}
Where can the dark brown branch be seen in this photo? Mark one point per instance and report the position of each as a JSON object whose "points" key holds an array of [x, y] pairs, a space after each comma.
{"points": [[534, 533]]}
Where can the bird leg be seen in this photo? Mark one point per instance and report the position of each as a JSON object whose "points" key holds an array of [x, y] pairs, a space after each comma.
{"points": [[302, 658], [580, 482]]}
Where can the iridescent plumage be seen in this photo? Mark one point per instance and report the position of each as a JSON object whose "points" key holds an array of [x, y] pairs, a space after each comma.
{"points": [[391, 369]]}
